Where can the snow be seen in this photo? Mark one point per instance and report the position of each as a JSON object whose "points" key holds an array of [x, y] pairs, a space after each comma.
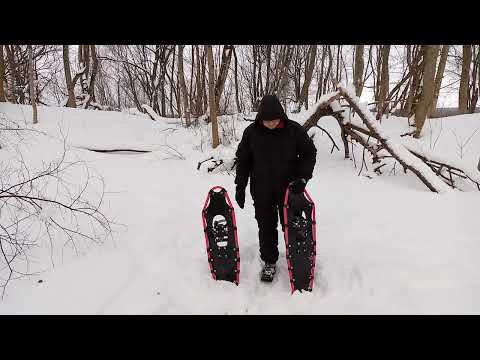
{"points": [[385, 244], [312, 108], [397, 146]]}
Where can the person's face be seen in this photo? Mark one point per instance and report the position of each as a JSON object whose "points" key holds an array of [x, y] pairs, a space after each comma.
{"points": [[271, 124]]}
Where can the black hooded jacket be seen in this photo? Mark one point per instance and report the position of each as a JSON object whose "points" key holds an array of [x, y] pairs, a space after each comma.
{"points": [[272, 158]]}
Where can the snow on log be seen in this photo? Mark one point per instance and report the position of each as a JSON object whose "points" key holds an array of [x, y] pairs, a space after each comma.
{"points": [[321, 108], [154, 116], [396, 149]]}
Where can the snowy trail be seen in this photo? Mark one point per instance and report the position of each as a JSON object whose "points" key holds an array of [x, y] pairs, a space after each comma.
{"points": [[384, 246], [366, 263]]}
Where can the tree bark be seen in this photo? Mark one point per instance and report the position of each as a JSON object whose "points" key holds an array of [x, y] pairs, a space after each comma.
{"points": [[14, 82], [211, 97], [282, 87], [239, 108], [269, 59], [199, 83], [2, 75], [171, 82], [31, 84], [222, 74], [417, 73], [68, 77], [358, 70], [384, 80], [475, 74], [93, 75], [308, 77], [429, 65], [439, 78], [464, 79], [183, 86]]}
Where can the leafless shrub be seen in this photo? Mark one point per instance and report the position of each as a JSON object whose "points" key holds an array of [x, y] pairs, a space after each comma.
{"points": [[49, 204]]}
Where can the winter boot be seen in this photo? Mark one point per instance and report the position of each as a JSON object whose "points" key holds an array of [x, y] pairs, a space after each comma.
{"points": [[268, 272]]}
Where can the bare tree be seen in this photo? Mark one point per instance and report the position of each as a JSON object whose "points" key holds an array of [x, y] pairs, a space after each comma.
{"points": [[430, 61], [68, 77], [439, 78], [415, 58], [222, 74], [283, 78], [473, 88], [308, 76], [183, 86], [384, 79], [358, 70], [31, 84], [464, 79], [211, 97], [2, 75], [237, 101]]}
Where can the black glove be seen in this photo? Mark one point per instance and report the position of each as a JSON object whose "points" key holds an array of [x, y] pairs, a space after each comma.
{"points": [[240, 196], [298, 186]]}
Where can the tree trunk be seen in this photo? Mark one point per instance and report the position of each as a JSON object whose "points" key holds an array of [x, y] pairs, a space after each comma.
{"points": [[358, 70], [2, 75], [191, 93], [199, 83], [337, 74], [417, 73], [269, 59], [464, 79], [282, 87], [31, 83], [14, 80], [93, 75], [204, 82], [239, 108], [384, 80], [255, 95], [429, 65], [326, 88], [478, 87], [183, 86], [68, 77], [439, 78], [211, 97], [475, 74], [171, 82], [308, 77], [222, 74], [320, 79]]}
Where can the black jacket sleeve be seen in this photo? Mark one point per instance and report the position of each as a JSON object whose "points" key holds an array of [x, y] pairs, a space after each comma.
{"points": [[244, 160], [307, 154]]}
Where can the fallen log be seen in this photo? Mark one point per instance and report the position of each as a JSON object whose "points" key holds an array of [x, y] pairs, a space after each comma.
{"points": [[397, 150]]}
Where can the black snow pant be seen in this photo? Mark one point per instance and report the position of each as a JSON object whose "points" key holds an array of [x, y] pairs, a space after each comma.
{"points": [[267, 218]]}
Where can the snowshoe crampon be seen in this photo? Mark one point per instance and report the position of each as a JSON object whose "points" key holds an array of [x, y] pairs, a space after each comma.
{"points": [[300, 243], [221, 238]]}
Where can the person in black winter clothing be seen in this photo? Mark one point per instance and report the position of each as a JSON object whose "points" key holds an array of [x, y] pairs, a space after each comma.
{"points": [[274, 151]]}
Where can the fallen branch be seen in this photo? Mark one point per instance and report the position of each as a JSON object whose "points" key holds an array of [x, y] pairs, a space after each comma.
{"points": [[333, 141], [398, 151]]}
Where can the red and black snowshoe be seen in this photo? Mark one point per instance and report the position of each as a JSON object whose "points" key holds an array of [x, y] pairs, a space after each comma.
{"points": [[300, 243], [221, 238]]}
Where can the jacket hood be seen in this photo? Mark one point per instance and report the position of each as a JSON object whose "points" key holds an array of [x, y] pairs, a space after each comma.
{"points": [[270, 109]]}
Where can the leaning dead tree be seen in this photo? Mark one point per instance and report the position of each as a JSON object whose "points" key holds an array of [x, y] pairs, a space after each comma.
{"points": [[436, 174]]}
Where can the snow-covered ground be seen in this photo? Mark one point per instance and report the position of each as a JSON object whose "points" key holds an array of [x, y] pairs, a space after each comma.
{"points": [[386, 245]]}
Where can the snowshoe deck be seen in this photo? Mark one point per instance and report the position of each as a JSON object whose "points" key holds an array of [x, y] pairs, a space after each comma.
{"points": [[221, 239]]}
